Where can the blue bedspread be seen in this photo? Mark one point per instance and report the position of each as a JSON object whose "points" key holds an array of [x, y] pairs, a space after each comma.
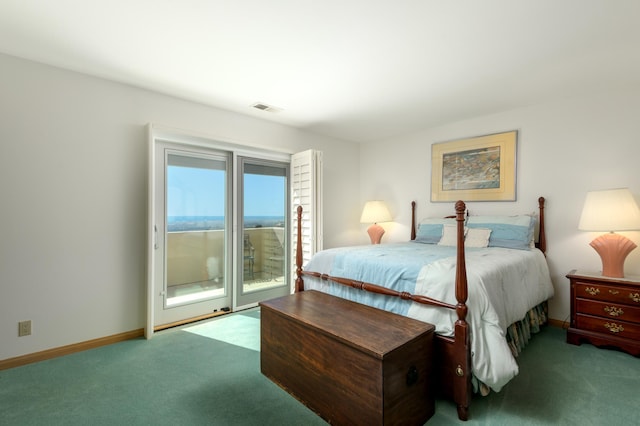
{"points": [[503, 285], [396, 269]]}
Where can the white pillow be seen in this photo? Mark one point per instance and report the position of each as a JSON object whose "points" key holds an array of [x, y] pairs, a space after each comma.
{"points": [[449, 235], [477, 237]]}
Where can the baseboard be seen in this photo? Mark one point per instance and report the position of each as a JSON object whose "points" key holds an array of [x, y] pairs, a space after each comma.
{"points": [[103, 341], [69, 349], [558, 323]]}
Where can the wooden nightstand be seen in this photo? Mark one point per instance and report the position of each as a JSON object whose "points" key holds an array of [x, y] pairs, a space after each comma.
{"points": [[605, 311]]}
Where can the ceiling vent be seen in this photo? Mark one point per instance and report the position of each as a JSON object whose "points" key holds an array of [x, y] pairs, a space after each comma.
{"points": [[265, 107]]}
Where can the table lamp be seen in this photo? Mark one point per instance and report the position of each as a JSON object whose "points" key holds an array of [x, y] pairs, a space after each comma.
{"points": [[374, 212], [611, 210]]}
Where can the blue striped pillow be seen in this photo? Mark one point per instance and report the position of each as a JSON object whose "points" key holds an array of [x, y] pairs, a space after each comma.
{"points": [[516, 232], [430, 230]]}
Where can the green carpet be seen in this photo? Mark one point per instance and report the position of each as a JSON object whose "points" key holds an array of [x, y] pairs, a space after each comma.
{"points": [[209, 374], [239, 330], [176, 378]]}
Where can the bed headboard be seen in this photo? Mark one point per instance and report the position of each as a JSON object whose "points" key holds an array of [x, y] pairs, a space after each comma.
{"points": [[541, 242]]}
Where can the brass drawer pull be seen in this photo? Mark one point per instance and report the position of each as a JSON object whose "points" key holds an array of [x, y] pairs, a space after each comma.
{"points": [[592, 290], [613, 327], [635, 297], [613, 311], [613, 291]]}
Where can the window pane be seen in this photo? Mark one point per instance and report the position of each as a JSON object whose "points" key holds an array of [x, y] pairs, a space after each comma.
{"points": [[195, 228], [264, 204]]}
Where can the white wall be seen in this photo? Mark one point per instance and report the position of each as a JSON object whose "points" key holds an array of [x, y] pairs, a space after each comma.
{"points": [[565, 149], [73, 191]]}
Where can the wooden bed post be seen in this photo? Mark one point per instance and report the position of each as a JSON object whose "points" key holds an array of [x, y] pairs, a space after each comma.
{"points": [[413, 220], [299, 281], [542, 238], [462, 376], [461, 270]]}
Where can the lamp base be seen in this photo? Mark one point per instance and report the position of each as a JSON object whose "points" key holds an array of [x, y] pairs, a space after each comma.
{"points": [[613, 250], [375, 232]]}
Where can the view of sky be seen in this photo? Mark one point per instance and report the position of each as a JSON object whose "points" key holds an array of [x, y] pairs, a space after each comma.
{"points": [[200, 192]]}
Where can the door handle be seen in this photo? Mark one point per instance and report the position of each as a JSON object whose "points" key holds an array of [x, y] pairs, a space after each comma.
{"points": [[155, 237]]}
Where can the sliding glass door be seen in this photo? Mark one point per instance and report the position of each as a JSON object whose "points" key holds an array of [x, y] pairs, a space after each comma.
{"points": [[192, 234], [219, 229], [263, 261], [196, 219]]}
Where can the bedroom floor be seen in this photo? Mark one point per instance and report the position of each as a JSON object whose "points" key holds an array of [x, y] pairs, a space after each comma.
{"points": [[209, 374]]}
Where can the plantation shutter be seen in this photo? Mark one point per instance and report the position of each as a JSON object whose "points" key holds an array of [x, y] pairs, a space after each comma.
{"points": [[306, 187]]}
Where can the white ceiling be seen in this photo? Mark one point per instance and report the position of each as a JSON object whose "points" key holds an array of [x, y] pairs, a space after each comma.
{"points": [[359, 70]]}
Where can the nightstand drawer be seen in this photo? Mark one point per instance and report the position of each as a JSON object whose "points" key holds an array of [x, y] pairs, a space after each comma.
{"points": [[607, 293], [608, 310], [612, 327]]}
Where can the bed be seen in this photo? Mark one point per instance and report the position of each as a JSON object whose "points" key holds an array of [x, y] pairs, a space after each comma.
{"points": [[485, 299]]}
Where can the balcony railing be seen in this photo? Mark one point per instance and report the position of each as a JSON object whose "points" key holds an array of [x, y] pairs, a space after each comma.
{"points": [[198, 256]]}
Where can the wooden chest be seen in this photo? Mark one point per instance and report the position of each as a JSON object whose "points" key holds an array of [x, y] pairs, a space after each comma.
{"points": [[350, 363]]}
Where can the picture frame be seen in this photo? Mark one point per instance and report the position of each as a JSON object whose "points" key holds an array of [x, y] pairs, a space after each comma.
{"points": [[481, 168]]}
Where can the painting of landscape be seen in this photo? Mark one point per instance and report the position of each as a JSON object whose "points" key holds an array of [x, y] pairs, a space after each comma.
{"points": [[474, 169], [480, 168]]}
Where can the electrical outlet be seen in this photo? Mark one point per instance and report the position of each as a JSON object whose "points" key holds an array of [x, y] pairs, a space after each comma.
{"points": [[24, 328]]}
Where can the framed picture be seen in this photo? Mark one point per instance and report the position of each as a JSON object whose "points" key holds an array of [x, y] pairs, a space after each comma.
{"points": [[482, 168]]}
